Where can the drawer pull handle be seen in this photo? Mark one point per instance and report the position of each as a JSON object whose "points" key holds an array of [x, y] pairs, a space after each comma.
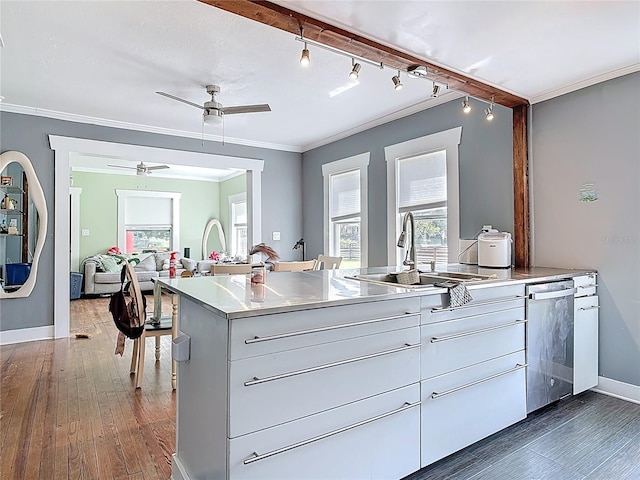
{"points": [[256, 380], [255, 456], [593, 307], [591, 285], [475, 332], [453, 390], [324, 329], [477, 304]]}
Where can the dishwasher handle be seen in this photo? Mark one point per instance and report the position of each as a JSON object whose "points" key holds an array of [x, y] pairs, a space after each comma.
{"points": [[554, 294]]}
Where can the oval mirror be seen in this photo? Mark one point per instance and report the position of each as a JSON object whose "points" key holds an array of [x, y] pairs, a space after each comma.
{"points": [[23, 217], [205, 237]]}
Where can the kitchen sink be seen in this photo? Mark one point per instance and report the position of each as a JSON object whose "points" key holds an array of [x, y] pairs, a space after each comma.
{"points": [[390, 278], [426, 279], [472, 277]]}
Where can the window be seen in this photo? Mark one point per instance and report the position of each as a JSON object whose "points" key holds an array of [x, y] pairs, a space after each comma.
{"points": [[148, 221], [422, 190], [238, 220], [345, 210], [422, 178]]}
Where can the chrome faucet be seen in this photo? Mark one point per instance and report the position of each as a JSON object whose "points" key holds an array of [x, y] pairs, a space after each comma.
{"points": [[410, 258]]}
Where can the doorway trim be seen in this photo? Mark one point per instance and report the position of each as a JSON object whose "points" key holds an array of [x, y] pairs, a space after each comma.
{"points": [[64, 146]]}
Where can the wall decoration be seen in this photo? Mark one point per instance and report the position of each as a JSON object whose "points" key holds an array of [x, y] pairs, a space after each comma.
{"points": [[589, 193]]}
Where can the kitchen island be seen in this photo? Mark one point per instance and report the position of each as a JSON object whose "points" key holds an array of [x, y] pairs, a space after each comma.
{"points": [[318, 375]]}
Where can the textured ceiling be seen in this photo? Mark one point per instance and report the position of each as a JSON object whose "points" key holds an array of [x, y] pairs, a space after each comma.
{"points": [[103, 61]]}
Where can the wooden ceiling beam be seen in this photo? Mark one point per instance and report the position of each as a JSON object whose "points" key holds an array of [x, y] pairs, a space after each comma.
{"points": [[291, 21]]}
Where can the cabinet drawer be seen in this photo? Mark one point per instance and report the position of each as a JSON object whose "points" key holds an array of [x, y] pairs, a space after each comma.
{"points": [[455, 344], [273, 333], [434, 308], [375, 438], [273, 389], [585, 343], [462, 407], [585, 284]]}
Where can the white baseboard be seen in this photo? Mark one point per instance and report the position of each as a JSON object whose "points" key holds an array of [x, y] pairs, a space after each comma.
{"points": [[614, 388], [26, 335], [178, 472]]}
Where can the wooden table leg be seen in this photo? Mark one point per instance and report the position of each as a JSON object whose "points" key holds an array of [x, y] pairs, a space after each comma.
{"points": [[174, 334]]}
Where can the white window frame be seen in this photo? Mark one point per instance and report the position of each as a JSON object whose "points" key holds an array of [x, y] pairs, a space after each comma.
{"points": [[234, 200], [447, 140], [357, 162], [124, 195]]}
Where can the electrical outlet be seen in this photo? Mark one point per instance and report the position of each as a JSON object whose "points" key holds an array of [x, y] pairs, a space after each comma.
{"points": [[85, 232], [275, 235]]}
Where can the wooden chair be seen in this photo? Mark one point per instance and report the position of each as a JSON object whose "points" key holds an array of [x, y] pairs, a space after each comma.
{"points": [[230, 269], [152, 329], [325, 262], [293, 266]]}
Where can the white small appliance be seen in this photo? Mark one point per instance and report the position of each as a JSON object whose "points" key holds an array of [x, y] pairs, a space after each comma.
{"points": [[494, 250]]}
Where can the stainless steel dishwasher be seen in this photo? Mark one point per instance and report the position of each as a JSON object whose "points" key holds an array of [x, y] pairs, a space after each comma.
{"points": [[549, 342]]}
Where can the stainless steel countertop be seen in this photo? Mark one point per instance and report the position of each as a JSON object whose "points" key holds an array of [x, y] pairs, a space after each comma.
{"points": [[233, 296]]}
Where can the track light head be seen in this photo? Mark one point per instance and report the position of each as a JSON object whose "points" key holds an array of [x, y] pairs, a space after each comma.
{"points": [[397, 84], [466, 106], [355, 71], [436, 89], [489, 111], [305, 60]]}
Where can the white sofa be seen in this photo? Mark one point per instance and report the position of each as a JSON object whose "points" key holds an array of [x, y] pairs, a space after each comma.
{"points": [[97, 281]]}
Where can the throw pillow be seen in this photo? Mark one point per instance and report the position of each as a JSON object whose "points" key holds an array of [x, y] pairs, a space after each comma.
{"points": [[162, 256], [147, 264], [110, 264]]}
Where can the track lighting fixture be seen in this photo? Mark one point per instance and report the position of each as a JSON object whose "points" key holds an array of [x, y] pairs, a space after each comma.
{"points": [[436, 89], [489, 111], [397, 84], [355, 71], [466, 106], [304, 58]]}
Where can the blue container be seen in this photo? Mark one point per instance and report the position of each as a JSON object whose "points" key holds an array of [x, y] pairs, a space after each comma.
{"points": [[76, 285], [17, 273]]}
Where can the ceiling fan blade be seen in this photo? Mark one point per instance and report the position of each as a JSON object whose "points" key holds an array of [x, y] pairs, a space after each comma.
{"points": [[246, 109], [173, 97], [157, 167], [122, 166]]}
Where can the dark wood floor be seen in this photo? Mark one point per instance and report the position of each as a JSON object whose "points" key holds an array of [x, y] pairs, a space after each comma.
{"points": [[69, 410]]}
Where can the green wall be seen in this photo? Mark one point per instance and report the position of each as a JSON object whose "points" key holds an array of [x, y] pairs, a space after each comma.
{"points": [[229, 187], [199, 202]]}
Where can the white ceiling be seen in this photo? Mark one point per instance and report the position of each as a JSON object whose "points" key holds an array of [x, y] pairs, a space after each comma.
{"points": [[102, 61]]}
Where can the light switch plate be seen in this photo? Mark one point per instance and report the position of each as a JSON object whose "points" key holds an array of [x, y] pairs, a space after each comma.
{"points": [[275, 236], [85, 232]]}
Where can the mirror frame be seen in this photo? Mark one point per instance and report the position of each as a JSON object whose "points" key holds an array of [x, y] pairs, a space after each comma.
{"points": [[36, 195], [205, 237]]}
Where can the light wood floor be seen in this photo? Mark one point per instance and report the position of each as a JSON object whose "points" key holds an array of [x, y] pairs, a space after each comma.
{"points": [[69, 408]]}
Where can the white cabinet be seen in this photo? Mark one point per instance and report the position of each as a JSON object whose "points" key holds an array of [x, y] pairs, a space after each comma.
{"points": [[472, 369], [330, 392], [467, 405], [585, 353], [375, 438]]}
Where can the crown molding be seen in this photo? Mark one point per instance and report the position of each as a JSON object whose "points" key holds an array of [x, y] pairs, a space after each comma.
{"points": [[572, 87], [103, 122]]}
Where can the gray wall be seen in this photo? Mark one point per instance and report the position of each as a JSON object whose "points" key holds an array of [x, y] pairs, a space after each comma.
{"points": [[592, 136], [281, 194], [486, 172]]}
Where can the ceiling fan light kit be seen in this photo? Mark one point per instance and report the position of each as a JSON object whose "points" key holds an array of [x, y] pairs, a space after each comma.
{"points": [[213, 111]]}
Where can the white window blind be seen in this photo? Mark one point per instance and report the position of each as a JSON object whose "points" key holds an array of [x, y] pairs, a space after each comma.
{"points": [[148, 211], [345, 195], [422, 181]]}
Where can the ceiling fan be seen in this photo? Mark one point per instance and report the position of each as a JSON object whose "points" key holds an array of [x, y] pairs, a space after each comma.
{"points": [[142, 169], [214, 111]]}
